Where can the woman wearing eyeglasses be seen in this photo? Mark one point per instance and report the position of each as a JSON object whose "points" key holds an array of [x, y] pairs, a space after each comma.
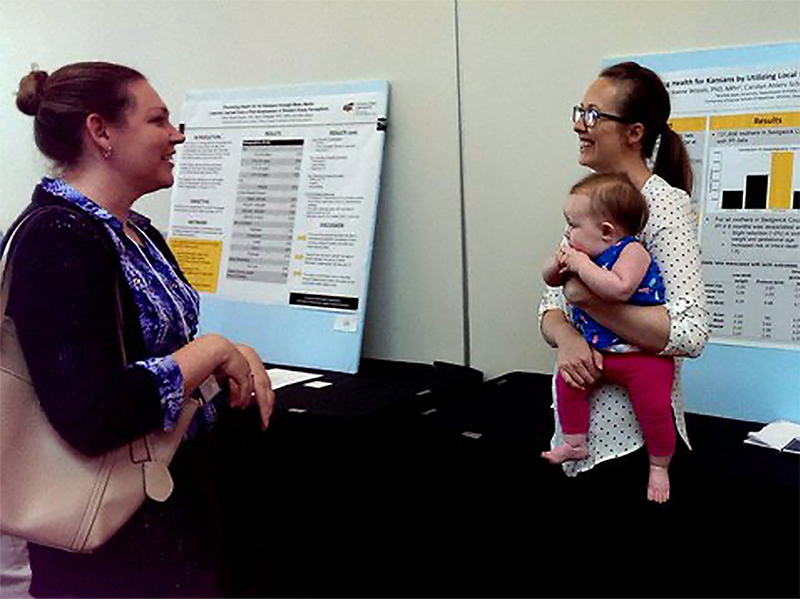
{"points": [[622, 125]]}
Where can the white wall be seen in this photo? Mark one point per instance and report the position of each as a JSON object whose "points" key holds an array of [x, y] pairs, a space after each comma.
{"points": [[523, 64]]}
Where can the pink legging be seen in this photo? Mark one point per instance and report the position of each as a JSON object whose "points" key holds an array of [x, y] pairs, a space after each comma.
{"points": [[648, 379]]}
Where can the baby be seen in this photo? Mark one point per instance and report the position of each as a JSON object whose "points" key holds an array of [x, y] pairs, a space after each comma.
{"points": [[604, 212]]}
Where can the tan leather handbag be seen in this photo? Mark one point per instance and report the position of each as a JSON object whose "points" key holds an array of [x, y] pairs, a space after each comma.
{"points": [[50, 493]]}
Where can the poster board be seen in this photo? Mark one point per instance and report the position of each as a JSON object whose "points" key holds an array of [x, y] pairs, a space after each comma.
{"points": [[738, 110], [273, 215]]}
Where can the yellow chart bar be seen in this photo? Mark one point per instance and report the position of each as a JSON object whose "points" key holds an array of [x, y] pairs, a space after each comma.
{"points": [[780, 180]]}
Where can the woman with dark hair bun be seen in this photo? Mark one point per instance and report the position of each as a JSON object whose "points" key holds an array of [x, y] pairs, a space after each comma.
{"points": [[81, 254], [621, 121], [60, 103]]}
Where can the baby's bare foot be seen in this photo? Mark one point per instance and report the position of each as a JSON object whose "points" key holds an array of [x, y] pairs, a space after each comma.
{"points": [[565, 452], [658, 485]]}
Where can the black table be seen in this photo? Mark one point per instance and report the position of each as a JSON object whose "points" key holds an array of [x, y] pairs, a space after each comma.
{"points": [[416, 480], [326, 472]]}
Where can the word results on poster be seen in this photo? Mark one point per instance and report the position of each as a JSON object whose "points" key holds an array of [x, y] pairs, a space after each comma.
{"points": [[276, 194], [741, 126]]}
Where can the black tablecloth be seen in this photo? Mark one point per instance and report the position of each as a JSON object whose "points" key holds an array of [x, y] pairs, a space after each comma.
{"points": [[412, 480]]}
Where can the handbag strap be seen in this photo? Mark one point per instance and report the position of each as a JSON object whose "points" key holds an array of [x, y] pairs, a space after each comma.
{"points": [[5, 259]]}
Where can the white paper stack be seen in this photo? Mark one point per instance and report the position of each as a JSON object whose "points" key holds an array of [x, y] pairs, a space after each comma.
{"points": [[780, 435], [282, 377]]}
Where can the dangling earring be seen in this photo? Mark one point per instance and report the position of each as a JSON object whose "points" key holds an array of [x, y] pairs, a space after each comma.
{"points": [[107, 152], [651, 162]]}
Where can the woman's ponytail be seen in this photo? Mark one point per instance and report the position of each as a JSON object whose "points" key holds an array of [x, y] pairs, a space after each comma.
{"points": [[672, 161]]}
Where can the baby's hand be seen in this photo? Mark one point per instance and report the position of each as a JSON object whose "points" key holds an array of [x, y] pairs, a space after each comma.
{"points": [[571, 260]]}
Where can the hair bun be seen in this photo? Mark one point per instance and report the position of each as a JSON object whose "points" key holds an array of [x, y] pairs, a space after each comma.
{"points": [[29, 94]]}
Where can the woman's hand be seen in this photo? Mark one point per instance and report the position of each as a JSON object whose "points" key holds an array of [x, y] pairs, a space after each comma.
{"points": [[248, 380], [579, 364], [261, 389], [233, 368], [239, 366]]}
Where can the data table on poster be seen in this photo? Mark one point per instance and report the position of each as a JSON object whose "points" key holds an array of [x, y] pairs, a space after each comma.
{"points": [[266, 206]]}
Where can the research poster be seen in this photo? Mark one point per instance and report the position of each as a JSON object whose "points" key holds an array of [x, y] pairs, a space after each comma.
{"points": [[741, 125], [275, 198]]}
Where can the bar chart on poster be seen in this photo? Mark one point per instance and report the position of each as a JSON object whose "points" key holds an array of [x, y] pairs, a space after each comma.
{"points": [[757, 178], [749, 165]]}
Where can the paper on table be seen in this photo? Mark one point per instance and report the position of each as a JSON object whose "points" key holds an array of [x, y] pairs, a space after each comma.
{"points": [[283, 377], [776, 435], [318, 384]]}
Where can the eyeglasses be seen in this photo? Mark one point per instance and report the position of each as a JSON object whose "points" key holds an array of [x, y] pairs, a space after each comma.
{"points": [[591, 115]]}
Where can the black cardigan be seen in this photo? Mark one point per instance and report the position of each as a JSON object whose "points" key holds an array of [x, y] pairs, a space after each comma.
{"points": [[62, 300]]}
